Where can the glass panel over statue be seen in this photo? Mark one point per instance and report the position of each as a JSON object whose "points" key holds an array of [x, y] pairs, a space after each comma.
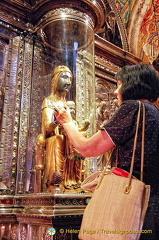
{"points": [[57, 163]]}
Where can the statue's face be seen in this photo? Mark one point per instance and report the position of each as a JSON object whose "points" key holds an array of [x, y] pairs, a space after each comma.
{"points": [[64, 82]]}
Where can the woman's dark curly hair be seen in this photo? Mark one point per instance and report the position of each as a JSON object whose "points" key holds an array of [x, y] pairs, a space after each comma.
{"points": [[140, 81]]}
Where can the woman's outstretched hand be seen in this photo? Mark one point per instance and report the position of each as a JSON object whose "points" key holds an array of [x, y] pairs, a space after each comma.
{"points": [[63, 115]]}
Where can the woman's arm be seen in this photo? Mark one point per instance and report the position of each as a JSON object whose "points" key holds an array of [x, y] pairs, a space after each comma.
{"points": [[96, 145]]}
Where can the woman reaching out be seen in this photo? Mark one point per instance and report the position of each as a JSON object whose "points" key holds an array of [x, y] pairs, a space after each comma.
{"points": [[136, 82]]}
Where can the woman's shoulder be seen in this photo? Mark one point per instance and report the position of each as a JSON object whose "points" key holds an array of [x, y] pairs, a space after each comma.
{"points": [[125, 112], [130, 103], [132, 106], [128, 106]]}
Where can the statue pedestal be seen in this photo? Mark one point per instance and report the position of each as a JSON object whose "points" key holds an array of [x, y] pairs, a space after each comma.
{"points": [[53, 204], [39, 216]]}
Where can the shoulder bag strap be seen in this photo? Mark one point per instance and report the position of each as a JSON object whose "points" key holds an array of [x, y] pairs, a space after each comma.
{"points": [[128, 187], [143, 143]]}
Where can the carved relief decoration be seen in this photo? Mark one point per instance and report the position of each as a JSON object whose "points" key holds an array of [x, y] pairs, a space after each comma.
{"points": [[9, 143], [114, 29], [85, 95], [106, 101], [8, 227], [25, 110], [4, 47], [39, 90]]}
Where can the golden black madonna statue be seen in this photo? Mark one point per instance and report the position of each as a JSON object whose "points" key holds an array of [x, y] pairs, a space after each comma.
{"points": [[61, 162]]}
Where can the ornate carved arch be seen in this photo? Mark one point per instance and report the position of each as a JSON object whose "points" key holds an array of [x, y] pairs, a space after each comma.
{"points": [[111, 9], [135, 20], [121, 26]]}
